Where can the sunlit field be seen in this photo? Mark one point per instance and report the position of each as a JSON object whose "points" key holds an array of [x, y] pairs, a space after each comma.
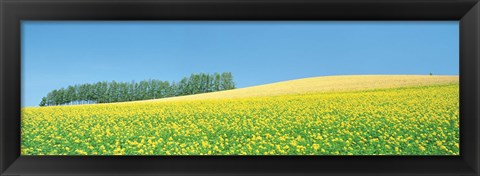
{"points": [[337, 115]]}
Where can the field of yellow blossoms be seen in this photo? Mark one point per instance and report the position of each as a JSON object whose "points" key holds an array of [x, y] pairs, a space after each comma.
{"points": [[408, 120]]}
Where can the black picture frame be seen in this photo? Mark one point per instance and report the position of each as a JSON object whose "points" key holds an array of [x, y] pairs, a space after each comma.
{"points": [[14, 11]]}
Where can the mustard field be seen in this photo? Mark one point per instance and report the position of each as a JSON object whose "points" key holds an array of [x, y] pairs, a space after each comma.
{"points": [[393, 115]]}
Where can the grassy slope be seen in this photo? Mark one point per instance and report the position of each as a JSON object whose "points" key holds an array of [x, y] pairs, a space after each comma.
{"points": [[324, 84]]}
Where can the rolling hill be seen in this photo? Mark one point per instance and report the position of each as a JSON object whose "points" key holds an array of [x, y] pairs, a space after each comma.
{"points": [[323, 84]]}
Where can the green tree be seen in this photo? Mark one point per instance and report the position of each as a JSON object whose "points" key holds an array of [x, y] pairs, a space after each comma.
{"points": [[226, 81], [106, 92], [43, 102]]}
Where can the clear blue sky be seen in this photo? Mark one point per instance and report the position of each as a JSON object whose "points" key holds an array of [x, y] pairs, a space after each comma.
{"points": [[58, 54]]}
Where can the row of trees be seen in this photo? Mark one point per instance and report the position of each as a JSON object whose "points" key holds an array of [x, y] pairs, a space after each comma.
{"points": [[107, 92]]}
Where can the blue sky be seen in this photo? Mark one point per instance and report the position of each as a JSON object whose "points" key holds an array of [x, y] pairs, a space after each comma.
{"points": [[58, 54]]}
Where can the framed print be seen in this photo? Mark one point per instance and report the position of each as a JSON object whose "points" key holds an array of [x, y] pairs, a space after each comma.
{"points": [[239, 87]]}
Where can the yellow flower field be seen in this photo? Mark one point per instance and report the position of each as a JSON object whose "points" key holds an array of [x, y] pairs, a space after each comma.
{"points": [[407, 116]]}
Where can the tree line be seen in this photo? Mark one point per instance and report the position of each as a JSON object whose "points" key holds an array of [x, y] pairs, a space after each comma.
{"points": [[108, 92]]}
